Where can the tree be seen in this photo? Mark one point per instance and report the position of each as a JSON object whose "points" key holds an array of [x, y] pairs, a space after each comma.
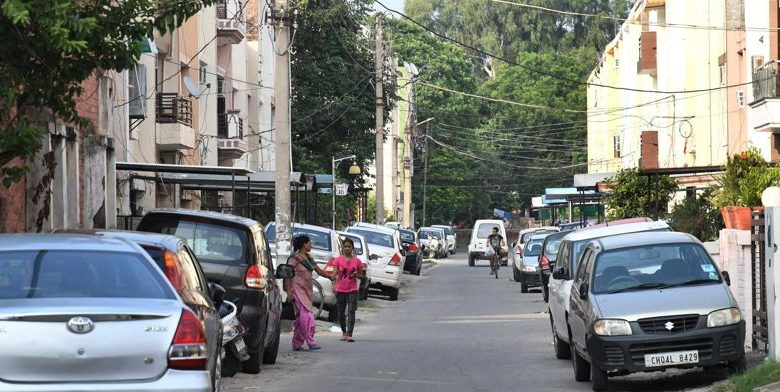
{"points": [[51, 46], [634, 195], [697, 216]]}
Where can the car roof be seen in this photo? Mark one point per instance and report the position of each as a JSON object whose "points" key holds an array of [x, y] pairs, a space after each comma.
{"points": [[207, 214], [490, 221], [372, 227], [539, 236], [356, 235], [645, 239], [560, 234], [142, 237], [431, 228], [305, 226], [589, 234], [65, 241]]}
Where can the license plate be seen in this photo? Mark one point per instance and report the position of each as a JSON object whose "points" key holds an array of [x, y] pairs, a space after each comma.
{"points": [[240, 345], [673, 358]]}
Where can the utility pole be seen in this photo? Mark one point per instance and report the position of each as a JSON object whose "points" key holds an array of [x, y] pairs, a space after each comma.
{"points": [[282, 17], [425, 171], [380, 123], [408, 160]]}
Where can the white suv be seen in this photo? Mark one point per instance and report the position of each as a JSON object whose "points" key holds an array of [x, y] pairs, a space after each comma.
{"points": [[387, 256], [482, 229]]}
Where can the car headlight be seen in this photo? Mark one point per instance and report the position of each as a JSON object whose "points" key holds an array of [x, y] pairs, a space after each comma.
{"points": [[611, 327], [720, 318], [529, 268]]}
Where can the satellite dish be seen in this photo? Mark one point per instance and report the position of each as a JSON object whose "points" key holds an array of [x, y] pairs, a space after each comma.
{"points": [[194, 89]]}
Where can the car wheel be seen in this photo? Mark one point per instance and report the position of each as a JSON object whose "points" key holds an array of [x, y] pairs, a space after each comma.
{"points": [[418, 270], [581, 367], [392, 293], [471, 261], [271, 352], [738, 366], [598, 379], [515, 274], [545, 293], [217, 384], [252, 365], [231, 365], [523, 285], [562, 349]]}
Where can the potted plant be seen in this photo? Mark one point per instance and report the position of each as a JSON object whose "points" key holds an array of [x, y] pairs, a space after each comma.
{"points": [[744, 177]]}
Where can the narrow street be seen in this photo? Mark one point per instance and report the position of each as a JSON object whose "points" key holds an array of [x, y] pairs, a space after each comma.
{"points": [[454, 328]]}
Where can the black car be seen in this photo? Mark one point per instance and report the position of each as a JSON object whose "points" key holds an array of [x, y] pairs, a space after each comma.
{"points": [[413, 255], [181, 267], [547, 259], [234, 253]]}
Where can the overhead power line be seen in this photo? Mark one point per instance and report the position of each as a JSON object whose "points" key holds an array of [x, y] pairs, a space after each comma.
{"points": [[548, 74]]}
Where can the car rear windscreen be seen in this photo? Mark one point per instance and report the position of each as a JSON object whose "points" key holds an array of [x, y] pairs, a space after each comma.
{"points": [[424, 235], [485, 229], [319, 239], [406, 236], [210, 241], [533, 248], [79, 274], [375, 238]]}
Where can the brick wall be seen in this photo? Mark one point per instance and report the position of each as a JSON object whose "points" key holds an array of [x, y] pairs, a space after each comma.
{"points": [[12, 206]]}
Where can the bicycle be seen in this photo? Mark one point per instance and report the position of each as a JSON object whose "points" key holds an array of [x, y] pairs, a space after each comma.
{"points": [[495, 263]]}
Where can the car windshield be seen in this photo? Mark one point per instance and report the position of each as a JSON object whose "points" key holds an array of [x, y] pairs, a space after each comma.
{"points": [[653, 267], [358, 245], [319, 239], [424, 234], [552, 245], [406, 236], [533, 248], [447, 230], [375, 238], [79, 274], [527, 236], [485, 229], [210, 242]]}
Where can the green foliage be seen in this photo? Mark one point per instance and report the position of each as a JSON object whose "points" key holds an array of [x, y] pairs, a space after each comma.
{"points": [[638, 196], [50, 46], [697, 216], [744, 178], [762, 375]]}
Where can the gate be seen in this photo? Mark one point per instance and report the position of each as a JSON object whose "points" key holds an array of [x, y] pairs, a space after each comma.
{"points": [[758, 261]]}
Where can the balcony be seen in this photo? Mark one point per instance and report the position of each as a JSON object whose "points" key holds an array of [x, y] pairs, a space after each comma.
{"points": [[230, 23], [174, 114], [230, 131], [231, 148], [766, 104]]}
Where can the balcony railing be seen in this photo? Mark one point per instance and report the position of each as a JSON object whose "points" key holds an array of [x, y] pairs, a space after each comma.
{"points": [[173, 108], [230, 126], [230, 22], [230, 9], [766, 84]]}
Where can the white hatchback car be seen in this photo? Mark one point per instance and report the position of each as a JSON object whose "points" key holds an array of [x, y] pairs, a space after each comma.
{"points": [[482, 229], [452, 239], [387, 257]]}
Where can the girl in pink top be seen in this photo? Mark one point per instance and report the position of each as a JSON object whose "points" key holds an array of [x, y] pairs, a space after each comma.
{"points": [[349, 270]]}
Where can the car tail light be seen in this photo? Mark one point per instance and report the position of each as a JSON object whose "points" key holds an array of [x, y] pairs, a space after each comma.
{"points": [[254, 278], [412, 248], [395, 260], [518, 250], [172, 270], [188, 349], [544, 263]]}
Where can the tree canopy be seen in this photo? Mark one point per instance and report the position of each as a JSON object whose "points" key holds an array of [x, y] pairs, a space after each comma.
{"points": [[51, 46]]}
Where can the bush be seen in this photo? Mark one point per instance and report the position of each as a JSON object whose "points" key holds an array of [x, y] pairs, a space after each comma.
{"points": [[632, 196], [744, 178], [697, 216]]}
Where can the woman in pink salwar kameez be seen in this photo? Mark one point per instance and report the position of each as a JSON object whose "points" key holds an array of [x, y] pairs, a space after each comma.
{"points": [[299, 291]]}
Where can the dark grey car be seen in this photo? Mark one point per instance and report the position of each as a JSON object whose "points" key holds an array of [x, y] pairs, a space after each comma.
{"points": [[651, 301], [233, 252]]}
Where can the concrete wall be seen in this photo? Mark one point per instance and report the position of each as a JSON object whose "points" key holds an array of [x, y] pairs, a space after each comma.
{"points": [[735, 258]]}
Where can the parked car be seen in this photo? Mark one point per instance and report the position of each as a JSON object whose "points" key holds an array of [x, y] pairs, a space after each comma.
{"points": [[362, 252], [88, 313], [526, 271], [479, 235], [234, 253], [649, 302], [393, 225], [566, 264], [414, 257], [547, 260], [387, 257], [452, 238], [573, 226], [325, 246], [524, 235], [434, 241]]}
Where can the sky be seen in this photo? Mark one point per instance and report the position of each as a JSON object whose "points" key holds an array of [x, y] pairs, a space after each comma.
{"points": [[397, 5]]}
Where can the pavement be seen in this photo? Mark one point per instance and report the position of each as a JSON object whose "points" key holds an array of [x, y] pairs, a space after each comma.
{"points": [[455, 328]]}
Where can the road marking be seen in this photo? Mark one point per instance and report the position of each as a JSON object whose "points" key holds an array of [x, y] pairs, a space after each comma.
{"points": [[521, 316], [373, 379]]}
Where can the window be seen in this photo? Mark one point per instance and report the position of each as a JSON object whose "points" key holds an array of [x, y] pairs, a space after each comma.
{"points": [[210, 242], [582, 269], [202, 73], [723, 75], [616, 146], [263, 252], [190, 271], [485, 229]]}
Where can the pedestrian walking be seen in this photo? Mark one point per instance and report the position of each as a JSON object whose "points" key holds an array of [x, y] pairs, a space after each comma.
{"points": [[349, 271], [299, 290]]}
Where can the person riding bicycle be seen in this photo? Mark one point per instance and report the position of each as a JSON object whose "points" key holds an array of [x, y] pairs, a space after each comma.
{"points": [[497, 242]]}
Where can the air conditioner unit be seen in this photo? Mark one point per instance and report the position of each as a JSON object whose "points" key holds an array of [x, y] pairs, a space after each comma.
{"points": [[139, 185], [136, 88]]}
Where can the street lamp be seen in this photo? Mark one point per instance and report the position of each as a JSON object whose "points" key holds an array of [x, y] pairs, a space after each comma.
{"points": [[354, 169]]}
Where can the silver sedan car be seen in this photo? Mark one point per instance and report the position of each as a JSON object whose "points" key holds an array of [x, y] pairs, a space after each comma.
{"points": [[82, 313]]}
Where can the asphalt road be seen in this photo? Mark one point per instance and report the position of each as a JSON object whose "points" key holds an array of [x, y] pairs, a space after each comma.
{"points": [[454, 329]]}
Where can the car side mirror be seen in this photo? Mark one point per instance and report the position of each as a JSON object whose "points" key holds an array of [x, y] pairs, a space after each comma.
{"points": [[373, 257], [403, 252], [217, 294], [405, 247], [285, 271], [726, 277], [583, 290], [558, 273]]}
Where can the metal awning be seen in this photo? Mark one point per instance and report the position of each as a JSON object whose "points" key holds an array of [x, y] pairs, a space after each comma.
{"points": [[254, 182], [670, 171], [191, 169]]}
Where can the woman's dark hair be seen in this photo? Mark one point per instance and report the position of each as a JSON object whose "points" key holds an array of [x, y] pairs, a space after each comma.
{"points": [[348, 240], [300, 241]]}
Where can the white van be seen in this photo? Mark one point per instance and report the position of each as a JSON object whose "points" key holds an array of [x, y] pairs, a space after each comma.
{"points": [[479, 235]]}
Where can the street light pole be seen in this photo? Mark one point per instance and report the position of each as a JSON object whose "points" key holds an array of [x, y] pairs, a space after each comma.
{"points": [[335, 161]]}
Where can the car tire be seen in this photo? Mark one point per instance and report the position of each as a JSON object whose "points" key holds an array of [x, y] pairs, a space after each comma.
{"points": [[545, 293], [515, 274], [598, 379], [230, 366], [738, 366], [252, 365], [272, 351], [471, 261], [392, 293], [562, 349], [216, 384], [418, 270], [581, 367], [523, 285]]}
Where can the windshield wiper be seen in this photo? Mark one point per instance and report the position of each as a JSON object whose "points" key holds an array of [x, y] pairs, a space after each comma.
{"points": [[692, 282], [639, 287]]}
